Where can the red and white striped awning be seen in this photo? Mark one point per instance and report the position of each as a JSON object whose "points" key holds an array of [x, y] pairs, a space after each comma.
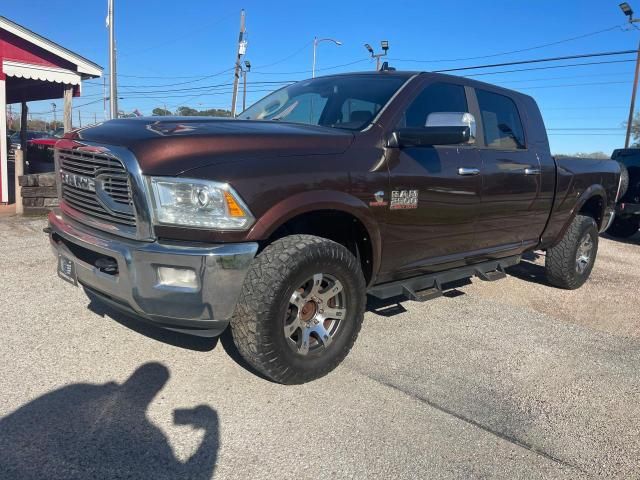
{"points": [[31, 71]]}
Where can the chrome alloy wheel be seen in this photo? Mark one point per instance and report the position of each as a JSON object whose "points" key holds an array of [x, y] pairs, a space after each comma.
{"points": [[316, 311], [584, 252]]}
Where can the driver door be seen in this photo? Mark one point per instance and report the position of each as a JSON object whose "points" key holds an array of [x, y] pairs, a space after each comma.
{"points": [[434, 193]]}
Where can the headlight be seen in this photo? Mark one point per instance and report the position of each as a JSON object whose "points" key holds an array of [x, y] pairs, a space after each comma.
{"points": [[198, 203]]}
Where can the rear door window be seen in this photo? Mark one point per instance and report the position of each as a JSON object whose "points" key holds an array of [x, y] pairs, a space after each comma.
{"points": [[500, 121]]}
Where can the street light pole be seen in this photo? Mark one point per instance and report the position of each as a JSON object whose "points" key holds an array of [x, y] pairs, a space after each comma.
{"points": [[246, 70], [626, 9], [316, 41]]}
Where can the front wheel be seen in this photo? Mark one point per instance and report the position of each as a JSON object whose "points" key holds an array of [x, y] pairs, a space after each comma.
{"points": [[569, 263], [301, 308]]}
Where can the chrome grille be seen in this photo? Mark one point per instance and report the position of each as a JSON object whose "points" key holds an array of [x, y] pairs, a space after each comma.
{"points": [[112, 200]]}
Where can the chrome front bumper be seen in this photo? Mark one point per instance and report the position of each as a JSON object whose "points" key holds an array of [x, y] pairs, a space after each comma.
{"points": [[203, 310]]}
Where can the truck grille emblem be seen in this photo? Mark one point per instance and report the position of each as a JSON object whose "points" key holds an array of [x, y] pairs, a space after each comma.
{"points": [[78, 181]]}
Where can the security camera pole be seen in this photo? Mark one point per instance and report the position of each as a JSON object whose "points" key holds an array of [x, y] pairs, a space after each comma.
{"points": [[242, 48], [384, 44], [626, 9]]}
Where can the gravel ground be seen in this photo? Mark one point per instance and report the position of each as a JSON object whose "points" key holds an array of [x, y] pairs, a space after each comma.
{"points": [[511, 379]]}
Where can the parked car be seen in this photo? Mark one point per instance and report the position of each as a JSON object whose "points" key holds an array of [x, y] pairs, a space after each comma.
{"points": [[14, 141], [627, 221], [40, 155], [281, 221]]}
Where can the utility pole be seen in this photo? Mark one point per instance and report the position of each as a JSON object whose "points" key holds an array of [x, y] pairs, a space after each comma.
{"points": [[79, 120], [54, 106], [626, 9], [385, 48], [632, 106], [242, 48], [68, 100], [113, 88]]}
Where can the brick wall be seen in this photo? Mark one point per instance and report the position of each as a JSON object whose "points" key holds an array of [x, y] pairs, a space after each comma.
{"points": [[39, 193]]}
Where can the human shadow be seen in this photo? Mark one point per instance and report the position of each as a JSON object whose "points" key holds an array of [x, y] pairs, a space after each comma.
{"points": [[86, 431]]}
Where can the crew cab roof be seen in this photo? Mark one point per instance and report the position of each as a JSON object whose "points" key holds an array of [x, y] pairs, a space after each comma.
{"points": [[443, 77]]}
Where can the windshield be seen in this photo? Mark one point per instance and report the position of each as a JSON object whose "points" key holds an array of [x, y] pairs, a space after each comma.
{"points": [[349, 102]]}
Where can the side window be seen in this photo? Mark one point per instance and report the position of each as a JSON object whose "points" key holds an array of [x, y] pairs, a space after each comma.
{"points": [[437, 97], [500, 121], [358, 111], [305, 108]]}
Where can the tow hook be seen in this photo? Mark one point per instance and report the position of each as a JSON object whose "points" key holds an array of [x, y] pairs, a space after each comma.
{"points": [[107, 265]]}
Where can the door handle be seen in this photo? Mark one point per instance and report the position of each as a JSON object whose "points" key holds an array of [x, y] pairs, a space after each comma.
{"points": [[468, 171], [532, 171]]}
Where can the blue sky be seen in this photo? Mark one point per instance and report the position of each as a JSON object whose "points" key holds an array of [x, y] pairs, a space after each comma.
{"points": [[160, 41]]}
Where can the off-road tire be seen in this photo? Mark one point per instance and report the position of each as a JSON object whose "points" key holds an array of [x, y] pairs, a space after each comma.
{"points": [[258, 322], [560, 262], [624, 227]]}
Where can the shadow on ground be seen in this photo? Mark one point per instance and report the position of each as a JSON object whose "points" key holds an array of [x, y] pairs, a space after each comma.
{"points": [[633, 240], [86, 431], [176, 339]]}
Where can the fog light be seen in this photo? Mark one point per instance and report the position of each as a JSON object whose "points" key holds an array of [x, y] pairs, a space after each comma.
{"points": [[177, 277]]}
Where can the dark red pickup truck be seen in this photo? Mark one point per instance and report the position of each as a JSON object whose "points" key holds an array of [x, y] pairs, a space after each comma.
{"points": [[281, 221]]}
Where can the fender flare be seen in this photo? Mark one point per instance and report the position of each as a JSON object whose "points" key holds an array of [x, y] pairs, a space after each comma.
{"points": [[590, 192], [315, 200]]}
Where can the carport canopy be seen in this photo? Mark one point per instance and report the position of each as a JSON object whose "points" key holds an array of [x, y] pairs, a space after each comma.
{"points": [[33, 68]]}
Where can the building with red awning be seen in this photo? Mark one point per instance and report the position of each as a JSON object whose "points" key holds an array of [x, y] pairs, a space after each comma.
{"points": [[33, 68]]}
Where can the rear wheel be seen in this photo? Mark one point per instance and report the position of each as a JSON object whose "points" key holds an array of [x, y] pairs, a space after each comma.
{"points": [[569, 263], [624, 227], [301, 308]]}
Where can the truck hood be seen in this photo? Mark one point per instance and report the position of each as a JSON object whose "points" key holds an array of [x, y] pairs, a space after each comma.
{"points": [[175, 145]]}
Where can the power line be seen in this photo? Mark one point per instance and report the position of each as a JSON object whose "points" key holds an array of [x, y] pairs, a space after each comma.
{"points": [[539, 60], [197, 79], [287, 57], [550, 67], [565, 77], [317, 69], [573, 85], [207, 87], [178, 38], [544, 45]]}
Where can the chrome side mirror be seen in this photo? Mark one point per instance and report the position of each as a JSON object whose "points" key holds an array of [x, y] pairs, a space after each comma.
{"points": [[454, 119]]}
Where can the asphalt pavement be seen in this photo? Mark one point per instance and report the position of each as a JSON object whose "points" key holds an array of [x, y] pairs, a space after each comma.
{"points": [[509, 379]]}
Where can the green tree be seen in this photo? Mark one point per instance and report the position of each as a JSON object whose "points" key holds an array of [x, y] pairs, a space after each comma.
{"points": [[187, 111], [160, 112], [212, 112], [635, 129]]}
